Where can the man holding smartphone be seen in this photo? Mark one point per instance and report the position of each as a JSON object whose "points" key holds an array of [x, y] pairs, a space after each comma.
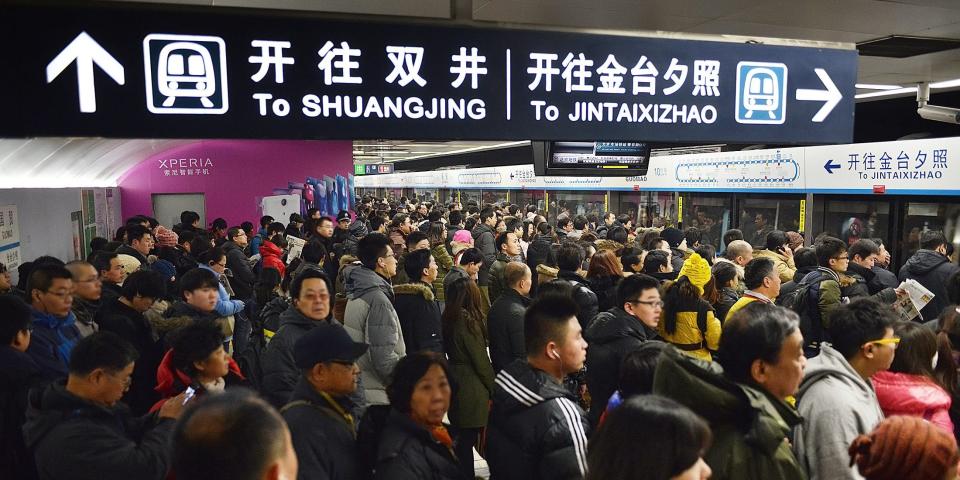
{"points": [[778, 249]]}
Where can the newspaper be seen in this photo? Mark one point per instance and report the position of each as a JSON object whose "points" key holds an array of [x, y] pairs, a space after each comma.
{"points": [[908, 306], [295, 246]]}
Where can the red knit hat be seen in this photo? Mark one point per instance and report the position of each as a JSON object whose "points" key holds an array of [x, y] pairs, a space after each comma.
{"points": [[165, 237], [904, 447]]}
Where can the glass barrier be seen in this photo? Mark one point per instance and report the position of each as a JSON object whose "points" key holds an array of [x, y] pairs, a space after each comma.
{"points": [[760, 215], [919, 217], [575, 203]]}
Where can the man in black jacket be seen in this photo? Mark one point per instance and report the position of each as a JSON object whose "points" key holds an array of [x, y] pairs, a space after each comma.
{"points": [[139, 244], [416, 305], [238, 263], [863, 255], [505, 319], [536, 429], [124, 317], [484, 240], [311, 307], [18, 374], [78, 429], [318, 413], [617, 332], [569, 260], [931, 268]]}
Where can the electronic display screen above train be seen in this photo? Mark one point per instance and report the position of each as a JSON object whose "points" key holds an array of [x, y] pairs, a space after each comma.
{"points": [[622, 159]]}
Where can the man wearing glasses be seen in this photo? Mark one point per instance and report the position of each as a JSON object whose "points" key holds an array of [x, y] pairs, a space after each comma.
{"points": [[824, 293], [55, 331], [836, 399], [618, 331], [86, 295]]}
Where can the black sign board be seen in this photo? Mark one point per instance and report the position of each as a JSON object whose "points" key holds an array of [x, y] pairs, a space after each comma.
{"points": [[165, 72]]}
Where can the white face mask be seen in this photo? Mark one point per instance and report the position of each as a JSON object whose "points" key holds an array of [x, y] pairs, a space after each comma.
{"points": [[936, 358]]}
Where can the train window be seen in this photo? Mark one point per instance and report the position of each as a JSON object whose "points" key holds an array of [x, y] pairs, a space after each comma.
{"points": [[851, 220], [761, 215], [527, 197], [919, 216], [425, 194], [648, 209], [494, 196], [710, 214], [576, 203], [468, 196]]}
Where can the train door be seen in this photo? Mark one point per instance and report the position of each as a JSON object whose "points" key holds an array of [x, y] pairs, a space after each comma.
{"points": [[527, 197], [758, 215], [710, 213]]}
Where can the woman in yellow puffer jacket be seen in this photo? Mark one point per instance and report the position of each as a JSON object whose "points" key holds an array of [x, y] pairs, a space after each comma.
{"points": [[687, 320]]}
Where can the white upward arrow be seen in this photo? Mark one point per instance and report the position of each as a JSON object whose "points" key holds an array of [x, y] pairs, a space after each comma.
{"points": [[85, 51], [831, 96]]}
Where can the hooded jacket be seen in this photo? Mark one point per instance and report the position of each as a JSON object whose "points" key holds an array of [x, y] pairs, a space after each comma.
{"points": [[51, 342], [407, 451], [270, 253], [74, 439], [750, 427], [419, 315], [484, 240], [914, 395], [18, 375], [456, 272], [932, 270], [505, 329], [370, 318], [280, 371], [536, 431], [584, 297], [784, 265], [181, 314], [837, 404], [728, 296], [172, 381], [794, 283], [612, 335], [128, 250]]}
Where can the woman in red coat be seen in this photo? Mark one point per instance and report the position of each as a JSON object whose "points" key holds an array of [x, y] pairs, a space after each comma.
{"points": [[270, 252], [910, 387]]}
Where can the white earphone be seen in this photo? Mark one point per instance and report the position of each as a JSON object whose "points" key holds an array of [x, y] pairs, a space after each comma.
{"points": [[555, 354]]}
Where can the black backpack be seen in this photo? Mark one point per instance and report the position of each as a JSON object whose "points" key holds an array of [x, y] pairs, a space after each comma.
{"points": [[804, 301]]}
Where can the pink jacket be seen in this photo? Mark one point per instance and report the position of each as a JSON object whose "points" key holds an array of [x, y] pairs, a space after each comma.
{"points": [[915, 395]]}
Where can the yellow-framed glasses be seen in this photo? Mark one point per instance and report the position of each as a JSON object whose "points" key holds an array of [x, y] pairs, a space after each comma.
{"points": [[894, 341]]}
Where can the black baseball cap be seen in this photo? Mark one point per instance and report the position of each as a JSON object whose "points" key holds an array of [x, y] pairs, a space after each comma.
{"points": [[326, 343]]}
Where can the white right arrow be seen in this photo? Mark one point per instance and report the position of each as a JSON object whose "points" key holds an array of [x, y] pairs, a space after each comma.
{"points": [[85, 51], [831, 96]]}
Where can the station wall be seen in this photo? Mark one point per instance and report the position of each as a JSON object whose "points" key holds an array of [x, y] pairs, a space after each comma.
{"points": [[234, 175]]}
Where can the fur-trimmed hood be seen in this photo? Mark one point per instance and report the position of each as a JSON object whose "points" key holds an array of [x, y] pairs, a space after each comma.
{"points": [[421, 289]]}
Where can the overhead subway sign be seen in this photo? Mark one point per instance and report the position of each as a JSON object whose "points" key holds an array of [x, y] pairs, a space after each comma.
{"points": [[150, 71]]}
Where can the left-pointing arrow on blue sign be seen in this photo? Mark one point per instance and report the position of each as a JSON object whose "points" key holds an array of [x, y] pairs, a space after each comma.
{"points": [[85, 51], [830, 166]]}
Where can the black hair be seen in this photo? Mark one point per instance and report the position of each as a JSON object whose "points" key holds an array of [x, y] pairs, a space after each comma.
{"points": [[309, 273], [931, 239], [649, 437], [194, 343], [371, 248], [136, 232], [376, 221], [233, 232], [629, 260], [415, 263], [731, 235], [267, 282], [680, 296], [631, 287], [408, 371], [279, 240], [456, 217], [863, 248], [14, 318], [570, 257], [707, 252], [638, 367], [756, 270], [105, 350], [101, 261], [562, 222], [723, 272], [265, 220], [219, 224], [186, 236], [146, 283], [653, 243], [776, 239], [187, 218], [98, 243], [247, 226], [858, 322], [918, 345], [693, 236], [546, 320], [212, 255], [579, 222], [618, 234], [471, 255], [198, 278], [487, 213], [755, 332], [829, 248], [654, 260], [623, 218], [502, 240], [313, 252], [212, 439], [805, 257], [398, 220], [276, 227], [953, 288], [415, 237], [42, 277]]}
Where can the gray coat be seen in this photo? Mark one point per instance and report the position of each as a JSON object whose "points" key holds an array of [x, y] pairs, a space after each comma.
{"points": [[483, 240], [370, 318]]}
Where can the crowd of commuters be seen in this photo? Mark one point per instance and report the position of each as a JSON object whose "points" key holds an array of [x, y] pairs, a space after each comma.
{"points": [[409, 338]]}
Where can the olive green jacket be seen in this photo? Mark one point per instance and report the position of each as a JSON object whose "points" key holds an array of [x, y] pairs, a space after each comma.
{"points": [[473, 374]]}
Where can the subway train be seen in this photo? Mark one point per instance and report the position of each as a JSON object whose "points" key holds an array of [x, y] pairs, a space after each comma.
{"points": [[890, 191]]}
